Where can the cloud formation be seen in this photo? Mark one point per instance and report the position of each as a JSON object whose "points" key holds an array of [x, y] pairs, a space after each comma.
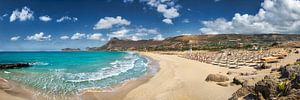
{"points": [[168, 8], [39, 37], [135, 34], [15, 38], [23, 15], [78, 36], [95, 36], [45, 18], [119, 34], [64, 37], [109, 22], [4, 15], [168, 13], [158, 37], [66, 18], [274, 16]]}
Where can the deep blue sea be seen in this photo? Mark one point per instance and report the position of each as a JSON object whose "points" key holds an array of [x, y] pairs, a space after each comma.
{"points": [[71, 72]]}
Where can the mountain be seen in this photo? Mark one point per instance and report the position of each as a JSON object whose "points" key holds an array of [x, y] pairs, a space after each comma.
{"points": [[201, 42]]}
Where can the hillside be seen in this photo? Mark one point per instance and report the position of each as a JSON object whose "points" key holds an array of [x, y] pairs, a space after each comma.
{"points": [[202, 42]]}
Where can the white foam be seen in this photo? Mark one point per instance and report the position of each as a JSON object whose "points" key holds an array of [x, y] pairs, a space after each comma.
{"points": [[117, 67], [7, 72], [39, 63]]}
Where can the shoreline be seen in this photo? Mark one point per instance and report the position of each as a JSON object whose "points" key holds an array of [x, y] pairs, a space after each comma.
{"points": [[175, 78], [120, 91], [115, 92]]}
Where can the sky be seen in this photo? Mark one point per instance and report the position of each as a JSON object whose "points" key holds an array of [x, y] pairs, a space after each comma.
{"points": [[57, 24]]}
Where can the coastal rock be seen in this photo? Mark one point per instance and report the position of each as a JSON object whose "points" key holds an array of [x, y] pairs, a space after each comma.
{"points": [[267, 87], [249, 82], [12, 66], [216, 78], [238, 80], [242, 92], [288, 70]]}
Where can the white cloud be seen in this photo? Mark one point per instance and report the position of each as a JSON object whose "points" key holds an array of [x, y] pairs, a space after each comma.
{"points": [[186, 21], [78, 36], [109, 22], [128, 1], [66, 18], [119, 34], [134, 38], [158, 37], [168, 8], [275, 16], [64, 37], [22, 15], [39, 37], [4, 15], [15, 38], [167, 12], [167, 21], [45, 18], [95, 36], [145, 31]]}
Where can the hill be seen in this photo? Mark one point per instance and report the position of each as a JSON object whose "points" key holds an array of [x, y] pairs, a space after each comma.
{"points": [[202, 42]]}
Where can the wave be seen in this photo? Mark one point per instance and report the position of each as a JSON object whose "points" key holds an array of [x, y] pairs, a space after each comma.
{"points": [[39, 63], [117, 67]]}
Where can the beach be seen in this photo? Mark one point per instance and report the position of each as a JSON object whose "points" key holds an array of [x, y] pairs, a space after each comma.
{"points": [[177, 79], [181, 79]]}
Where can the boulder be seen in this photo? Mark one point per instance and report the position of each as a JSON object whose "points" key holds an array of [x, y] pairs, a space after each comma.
{"points": [[12, 66], [243, 91], [268, 87], [288, 70], [216, 78]]}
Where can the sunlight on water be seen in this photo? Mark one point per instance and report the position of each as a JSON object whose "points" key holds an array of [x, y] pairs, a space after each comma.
{"points": [[70, 72]]}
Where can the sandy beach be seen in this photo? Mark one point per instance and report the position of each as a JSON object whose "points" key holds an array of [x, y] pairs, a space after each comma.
{"points": [[181, 79], [177, 79]]}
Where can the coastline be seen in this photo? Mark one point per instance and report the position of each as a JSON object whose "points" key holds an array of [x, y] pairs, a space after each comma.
{"points": [[176, 78], [120, 91], [181, 79]]}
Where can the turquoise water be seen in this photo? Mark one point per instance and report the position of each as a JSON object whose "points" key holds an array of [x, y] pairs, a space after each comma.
{"points": [[71, 72]]}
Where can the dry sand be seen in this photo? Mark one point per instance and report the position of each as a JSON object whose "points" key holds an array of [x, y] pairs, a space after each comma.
{"points": [[181, 79]]}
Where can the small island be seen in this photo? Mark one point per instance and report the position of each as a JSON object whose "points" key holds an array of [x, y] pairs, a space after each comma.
{"points": [[70, 49]]}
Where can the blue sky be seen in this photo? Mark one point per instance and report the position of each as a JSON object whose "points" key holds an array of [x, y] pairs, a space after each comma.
{"points": [[56, 24]]}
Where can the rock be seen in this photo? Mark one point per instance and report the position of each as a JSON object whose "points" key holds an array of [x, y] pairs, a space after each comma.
{"points": [[223, 84], [296, 81], [238, 80], [216, 78], [249, 82], [267, 87], [263, 66], [243, 91], [229, 73], [288, 70], [294, 95], [12, 66]]}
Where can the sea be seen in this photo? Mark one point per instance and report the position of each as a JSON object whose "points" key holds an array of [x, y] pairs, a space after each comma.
{"points": [[72, 72]]}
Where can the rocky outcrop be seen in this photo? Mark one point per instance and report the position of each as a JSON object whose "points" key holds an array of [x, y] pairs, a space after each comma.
{"points": [[12, 66], [282, 86], [216, 78], [71, 49]]}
